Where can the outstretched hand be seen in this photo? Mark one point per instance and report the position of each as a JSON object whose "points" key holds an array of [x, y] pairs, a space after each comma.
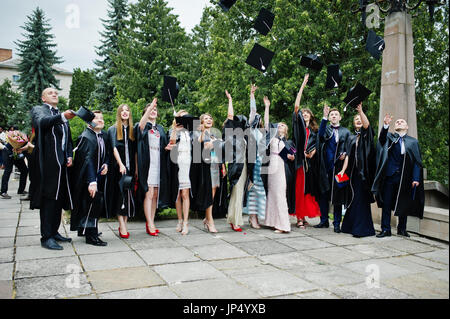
{"points": [[266, 101], [228, 95], [387, 119], [326, 110], [253, 89], [305, 80], [359, 108]]}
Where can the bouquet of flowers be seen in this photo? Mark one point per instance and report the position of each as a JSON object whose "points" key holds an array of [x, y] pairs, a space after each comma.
{"points": [[16, 139]]}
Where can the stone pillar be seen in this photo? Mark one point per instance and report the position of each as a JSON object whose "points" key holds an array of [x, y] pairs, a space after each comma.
{"points": [[397, 79]]}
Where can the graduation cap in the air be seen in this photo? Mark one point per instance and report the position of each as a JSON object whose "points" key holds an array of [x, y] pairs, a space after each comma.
{"points": [[226, 4], [375, 44], [356, 95], [311, 61], [264, 21], [170, 89], [334, 76], [86, 115], [187, 121], [260, 58]]}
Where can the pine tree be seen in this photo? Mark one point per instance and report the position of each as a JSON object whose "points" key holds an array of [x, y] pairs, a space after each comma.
{"points": [[8, 99], [106, 68], [38, 56], [83, 84], [152, 45]]}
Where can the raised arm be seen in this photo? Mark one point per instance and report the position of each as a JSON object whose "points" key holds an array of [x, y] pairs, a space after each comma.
{"points": [[323, 123], [300, 92], [230, 106], [146, 115], [383, 133], [252, 103], [266, 112], [364, 119]]}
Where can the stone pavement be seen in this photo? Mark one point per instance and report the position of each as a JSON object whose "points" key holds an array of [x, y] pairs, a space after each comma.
{"points": [[311, 263]]}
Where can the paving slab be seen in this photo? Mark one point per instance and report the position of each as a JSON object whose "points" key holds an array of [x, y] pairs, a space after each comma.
{"points": [[191, 271], [411, 266], [85, 249], [221, 251], [334, 277], [198, 240], [343, 239], [144, 241], [409, 246], [160, 256], [7, 232], [123, 279], [361, 291], [440, 255], [386, 270], [28, 230], [304, 243], [6, 289], [236, 263], [426, 262], [6, 255], [52, 287], [8, 222], [6, 242], [317, 294], [376, 251], [47, 267], [335, 255], [237, 237], [31, 240], [160, 292], [6, 271], [289, 260], [421, 286], [108, 261], [223, 288], [38, 252], [264, 247], [274, 283]]}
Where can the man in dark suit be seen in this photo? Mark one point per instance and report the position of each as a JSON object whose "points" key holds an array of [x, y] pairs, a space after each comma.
{"points": [[52, 155], [398, 183], [333, 161]]}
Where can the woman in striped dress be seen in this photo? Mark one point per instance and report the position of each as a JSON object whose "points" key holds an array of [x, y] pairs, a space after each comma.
{"points": [[256, 195]]}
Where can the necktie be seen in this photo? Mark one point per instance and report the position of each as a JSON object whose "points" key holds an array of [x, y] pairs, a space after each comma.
{"points": [[336, 133]]}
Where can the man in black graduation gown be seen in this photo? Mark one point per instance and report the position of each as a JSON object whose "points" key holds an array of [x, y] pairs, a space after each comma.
{"points": [[88, 177], [332, 142], [398, 183], [51, 157]]}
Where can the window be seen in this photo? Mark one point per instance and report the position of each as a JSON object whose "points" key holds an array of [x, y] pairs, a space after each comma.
{"points": [[16, 79]]}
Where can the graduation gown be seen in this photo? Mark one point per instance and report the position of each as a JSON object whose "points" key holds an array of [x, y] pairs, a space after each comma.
{"points": [[88, 162], [404, 203], [326, 182], [49, 176], [113, 197], [143, 160], [289, 169]]}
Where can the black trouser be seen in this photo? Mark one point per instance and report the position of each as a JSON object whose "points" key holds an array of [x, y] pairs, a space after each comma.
{"points": [[51, 210], [390, 190], [324, 204], [9, 162]]}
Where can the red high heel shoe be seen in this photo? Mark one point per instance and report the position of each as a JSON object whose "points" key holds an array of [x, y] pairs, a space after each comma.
{"points": [[149, 232], [124, 236], [235, 229]]}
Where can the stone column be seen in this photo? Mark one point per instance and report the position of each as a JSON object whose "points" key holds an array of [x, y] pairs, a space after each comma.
{"points": [[397, 79]]}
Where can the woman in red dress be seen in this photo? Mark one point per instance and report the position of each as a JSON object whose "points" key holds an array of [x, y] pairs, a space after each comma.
{"points": [[306, 186]]}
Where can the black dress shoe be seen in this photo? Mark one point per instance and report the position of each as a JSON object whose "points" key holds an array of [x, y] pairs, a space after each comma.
{"points": [[403, 233], [58, 237], [322, 225], [51, 244], [384, 233], [337, 229], [80, 233], [23, 193], [94, 240]]}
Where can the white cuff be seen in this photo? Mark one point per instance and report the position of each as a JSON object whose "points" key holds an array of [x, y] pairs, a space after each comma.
{"points": [[325, 118], [386, 126], [63, 117], [92, 183]]}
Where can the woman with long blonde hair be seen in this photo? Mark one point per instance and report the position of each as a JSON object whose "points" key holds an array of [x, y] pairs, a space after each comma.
{"points": [[123, 147]]}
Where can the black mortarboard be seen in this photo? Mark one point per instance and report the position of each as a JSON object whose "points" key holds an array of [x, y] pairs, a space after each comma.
{"points": [[334, 76], [264, 21], [86, 115], [187, 121], [311, 61], [355, 95], [375, 44], [125, 183], [170, 89], [260, 58], [226, 4]]}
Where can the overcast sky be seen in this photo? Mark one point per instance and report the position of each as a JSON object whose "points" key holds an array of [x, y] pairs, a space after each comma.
{"points": [[76, 38]]}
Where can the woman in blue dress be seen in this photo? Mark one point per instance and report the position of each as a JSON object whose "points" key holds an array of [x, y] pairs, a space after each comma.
{"points": [[361, 171]]}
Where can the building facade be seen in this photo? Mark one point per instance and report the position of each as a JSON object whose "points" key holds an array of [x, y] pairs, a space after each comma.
{"points": [[9, 69]]}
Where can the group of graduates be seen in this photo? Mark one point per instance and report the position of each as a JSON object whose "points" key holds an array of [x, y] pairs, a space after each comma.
{"points": [[193, 166]]}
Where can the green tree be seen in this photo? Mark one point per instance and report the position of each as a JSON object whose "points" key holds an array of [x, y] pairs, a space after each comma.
{"points": [[106, 68], [8, 99], [152, 45], [37, 58], [83, 84]]}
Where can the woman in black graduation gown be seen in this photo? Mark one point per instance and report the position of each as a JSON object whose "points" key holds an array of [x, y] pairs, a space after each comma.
{"points": [[153, 166], [122, 147], [361, 171]]}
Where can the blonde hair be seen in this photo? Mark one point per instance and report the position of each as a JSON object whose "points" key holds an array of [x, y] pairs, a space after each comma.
{"points": [[202, 119], [286, 135], [174, 123], [119, 123]]}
